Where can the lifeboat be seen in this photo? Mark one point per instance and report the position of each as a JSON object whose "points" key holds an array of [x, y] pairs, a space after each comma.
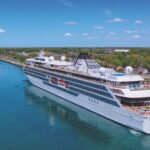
{"points": [[63, 83]]}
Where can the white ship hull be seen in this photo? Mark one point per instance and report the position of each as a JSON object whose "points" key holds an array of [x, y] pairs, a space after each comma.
{"points": [[117, 114]]}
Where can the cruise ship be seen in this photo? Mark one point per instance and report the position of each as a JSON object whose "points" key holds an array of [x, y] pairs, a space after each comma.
{"points": [[121, 97]]}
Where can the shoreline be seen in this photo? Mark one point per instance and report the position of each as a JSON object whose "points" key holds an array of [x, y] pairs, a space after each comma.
{"points": [[21, 65]]}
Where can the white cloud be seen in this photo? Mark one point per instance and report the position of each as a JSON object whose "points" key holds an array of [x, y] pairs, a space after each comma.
{"points": [[66, 3], [107, 12], [98, 27], [71, 23], [138, 22], [112, 33], [118, 20], [69, 35], [131, 32], [128, 31], [2, 31], [136, 36], [85, 34]]}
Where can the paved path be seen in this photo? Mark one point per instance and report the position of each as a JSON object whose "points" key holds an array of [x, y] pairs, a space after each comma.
{"points": [[13, 62]]}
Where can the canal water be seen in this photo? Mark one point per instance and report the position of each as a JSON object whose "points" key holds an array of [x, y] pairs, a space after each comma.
{"points": [[32, 119]]}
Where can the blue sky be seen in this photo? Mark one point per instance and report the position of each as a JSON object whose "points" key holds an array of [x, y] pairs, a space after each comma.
{"points": [[87, 23]]}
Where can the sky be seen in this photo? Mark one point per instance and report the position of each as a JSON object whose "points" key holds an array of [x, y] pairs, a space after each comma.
{"points": [[75, 23]]}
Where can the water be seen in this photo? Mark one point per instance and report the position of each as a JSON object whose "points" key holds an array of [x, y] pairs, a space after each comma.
{"points": [[32, 119], [119, 74]]}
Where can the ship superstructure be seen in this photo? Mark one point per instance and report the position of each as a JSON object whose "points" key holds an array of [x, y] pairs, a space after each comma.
{"points": [[121, 97]]}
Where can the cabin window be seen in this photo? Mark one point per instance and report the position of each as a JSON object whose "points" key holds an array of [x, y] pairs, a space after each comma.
{"points": [[42, 59]]}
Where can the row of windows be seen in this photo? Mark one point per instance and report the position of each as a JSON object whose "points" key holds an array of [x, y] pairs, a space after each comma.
{"points": [[46, 82], [117, 91], [35, 75], [35, 72], [62, 89], [40, 59], [76, 80], [94, 96], [93, 100], [80, 81], [92, 90]]}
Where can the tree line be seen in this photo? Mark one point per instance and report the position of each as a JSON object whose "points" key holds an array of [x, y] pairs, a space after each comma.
{"points": [[136, 57]]}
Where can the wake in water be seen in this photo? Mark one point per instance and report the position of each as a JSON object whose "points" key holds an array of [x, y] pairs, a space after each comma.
{"points": [[134, 132]]}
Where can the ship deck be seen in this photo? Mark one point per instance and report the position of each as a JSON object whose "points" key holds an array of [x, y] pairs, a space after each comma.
{"points": [[85, 76], [143, 110]]}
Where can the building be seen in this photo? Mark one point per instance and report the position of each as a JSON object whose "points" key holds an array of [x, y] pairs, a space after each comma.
{"points": [[122, 50]]}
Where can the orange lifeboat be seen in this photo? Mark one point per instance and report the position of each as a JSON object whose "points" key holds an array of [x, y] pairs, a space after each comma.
{"points": [[63, 83]]}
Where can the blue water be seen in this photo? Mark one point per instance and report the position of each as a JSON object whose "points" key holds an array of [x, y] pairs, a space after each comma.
{"points": [[32, 119]]}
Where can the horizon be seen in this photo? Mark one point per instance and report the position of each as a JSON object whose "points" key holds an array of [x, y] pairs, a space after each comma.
{"points": [[82, 47], [69, 23]]}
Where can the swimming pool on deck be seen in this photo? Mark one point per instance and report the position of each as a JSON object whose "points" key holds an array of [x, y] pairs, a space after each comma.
{"points": [[119, 74]]}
